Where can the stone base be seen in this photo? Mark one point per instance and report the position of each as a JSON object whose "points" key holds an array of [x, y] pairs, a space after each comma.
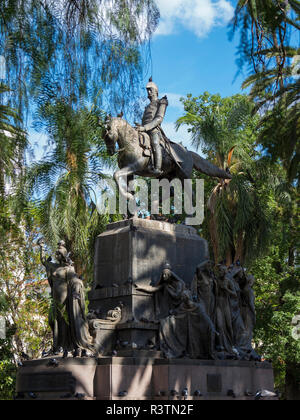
{"points": [[135, 334], [132, 378], [133, 253], [136, 250], [44, 381]]}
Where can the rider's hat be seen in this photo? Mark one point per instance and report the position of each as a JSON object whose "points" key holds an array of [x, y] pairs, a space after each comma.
{"points": [[152, 85], [167, 266]]}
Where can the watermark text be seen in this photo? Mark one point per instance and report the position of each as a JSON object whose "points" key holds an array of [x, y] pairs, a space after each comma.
{"points": [[156, 197], [296, 327], [2, 328], [2, 68]]}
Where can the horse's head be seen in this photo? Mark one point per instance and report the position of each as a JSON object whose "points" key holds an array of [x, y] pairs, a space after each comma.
{"points": [[118, 131], [111, 134]]}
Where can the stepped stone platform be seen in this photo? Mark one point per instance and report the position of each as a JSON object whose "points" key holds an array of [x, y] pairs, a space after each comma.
{"points": [[141, 378]]}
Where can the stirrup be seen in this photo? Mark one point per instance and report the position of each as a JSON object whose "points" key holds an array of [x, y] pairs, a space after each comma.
{"points": [[157, 171]]}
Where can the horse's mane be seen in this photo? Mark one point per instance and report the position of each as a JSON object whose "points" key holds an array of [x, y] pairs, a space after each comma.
{"points": [[120, 124]]}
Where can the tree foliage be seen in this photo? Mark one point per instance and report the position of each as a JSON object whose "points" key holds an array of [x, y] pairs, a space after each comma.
{"points": [[79, 49], [13, 142], [66, 181], [277, 303], [253, 217], [24, 303], [268, 31], [269, 48], [238, 210], [7, 368]]}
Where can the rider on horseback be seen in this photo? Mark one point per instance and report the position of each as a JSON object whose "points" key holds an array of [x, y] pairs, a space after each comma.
{"points": [[151, 123]]}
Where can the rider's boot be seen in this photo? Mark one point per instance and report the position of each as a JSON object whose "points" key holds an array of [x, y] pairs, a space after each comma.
{"points": [[157, 154]]}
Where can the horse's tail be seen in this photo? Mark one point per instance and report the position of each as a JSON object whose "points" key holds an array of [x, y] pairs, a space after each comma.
{"points": [[209, 168]]}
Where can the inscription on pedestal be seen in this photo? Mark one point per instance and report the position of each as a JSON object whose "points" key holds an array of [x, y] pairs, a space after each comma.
{"points": [[47, 382], [214, 383]]}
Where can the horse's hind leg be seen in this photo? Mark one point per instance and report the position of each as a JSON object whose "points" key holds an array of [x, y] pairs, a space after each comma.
{"points": [[129, 214]]}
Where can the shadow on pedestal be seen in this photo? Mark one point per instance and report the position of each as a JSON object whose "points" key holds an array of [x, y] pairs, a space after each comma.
{"points": [[143, 378]]}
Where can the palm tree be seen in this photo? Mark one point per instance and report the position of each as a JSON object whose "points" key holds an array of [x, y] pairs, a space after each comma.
{"points": [[65, 181], [237, 211], [266, 36], [268, 31], [265, 27], [279, 124], [275, 87], [13, 141]]}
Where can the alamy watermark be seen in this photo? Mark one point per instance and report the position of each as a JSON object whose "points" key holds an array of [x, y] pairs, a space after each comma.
{"points": [[2, 328], [158, 197], [296, 327], [2, 68], [296, 66]]}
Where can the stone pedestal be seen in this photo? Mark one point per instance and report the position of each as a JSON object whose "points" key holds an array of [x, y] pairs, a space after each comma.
{"points": [[134, 252], [160, 379], [143, 378], [71, 378]]}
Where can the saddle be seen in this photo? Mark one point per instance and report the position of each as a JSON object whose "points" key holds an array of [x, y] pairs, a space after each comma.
{"points": [[165, 143], [145, 144]]}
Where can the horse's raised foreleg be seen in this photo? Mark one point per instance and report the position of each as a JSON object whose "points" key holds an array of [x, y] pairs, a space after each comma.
{"points": [[122, 178]]}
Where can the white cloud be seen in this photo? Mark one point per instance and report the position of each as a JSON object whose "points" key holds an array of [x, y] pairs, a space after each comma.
{"points": [[198, 16], [39, 145], [180, 136], [174, 100]]}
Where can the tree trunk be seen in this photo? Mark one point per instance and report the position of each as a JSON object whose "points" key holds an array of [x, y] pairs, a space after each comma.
{"points": [[213, 230], [239, 252], [278, 60], [229, 257]]}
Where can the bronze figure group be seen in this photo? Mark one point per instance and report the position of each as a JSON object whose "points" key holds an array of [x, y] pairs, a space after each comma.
{"points": [[213, 319], [227, 295]]}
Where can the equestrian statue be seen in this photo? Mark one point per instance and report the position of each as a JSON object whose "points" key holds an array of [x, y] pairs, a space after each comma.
{"points": [[146, 151]]}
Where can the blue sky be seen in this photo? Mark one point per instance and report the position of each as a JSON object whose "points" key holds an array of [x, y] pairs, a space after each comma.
{"points": [[191, 53]]}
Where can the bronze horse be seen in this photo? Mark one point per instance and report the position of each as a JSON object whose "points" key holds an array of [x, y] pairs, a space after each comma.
{"points": [[178, 162]]}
